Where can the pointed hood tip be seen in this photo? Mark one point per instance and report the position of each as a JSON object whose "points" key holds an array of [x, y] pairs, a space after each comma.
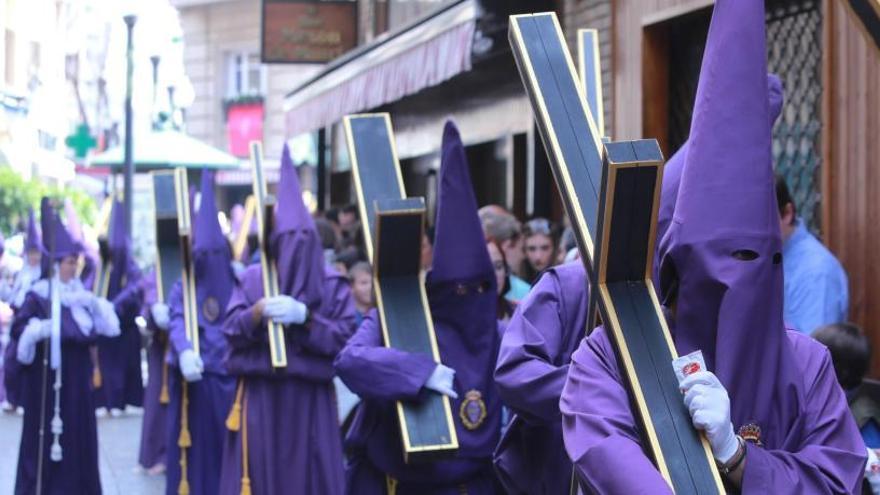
{"points": [[729, 159], [53, 227], [208, 234], [290, 199], [460, 247], [32, 240]]}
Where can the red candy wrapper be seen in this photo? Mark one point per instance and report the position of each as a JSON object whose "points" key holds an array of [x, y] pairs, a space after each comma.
{"points": [[688, 365]]}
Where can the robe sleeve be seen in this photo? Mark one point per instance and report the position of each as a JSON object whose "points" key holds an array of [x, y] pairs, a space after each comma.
{"points": [[598, 427], [332, 325], [176, 324], [831, 457], [239, 326], [527, 379], [374, 371], [128, 302]]}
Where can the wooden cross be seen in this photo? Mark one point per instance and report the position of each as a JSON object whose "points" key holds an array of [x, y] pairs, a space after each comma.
{"points": [[611, 193], [393, 228], [264, 212], [174, 245]]}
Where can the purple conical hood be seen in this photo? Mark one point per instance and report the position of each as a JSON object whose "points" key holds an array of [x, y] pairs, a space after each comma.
{"points": [[294, 214], [64, 244], [295, 241], [73, 224], [673, 168], [214, 276], [721, 256], [32, 239], [210, 236], [459, 245]]}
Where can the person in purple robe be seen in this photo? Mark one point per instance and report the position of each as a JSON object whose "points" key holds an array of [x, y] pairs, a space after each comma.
{"points": [[200, 389], [64, 458], [536, 352], [151, 456], [29, 274], [284, 430], [462, 296], [119, 358], [769, 403]]}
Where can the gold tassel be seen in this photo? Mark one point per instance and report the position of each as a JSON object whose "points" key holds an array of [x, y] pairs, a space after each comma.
{"points": [[233, 421], [245, 478], [164, 398], [184, 441], [97, 379], [391, 485]]}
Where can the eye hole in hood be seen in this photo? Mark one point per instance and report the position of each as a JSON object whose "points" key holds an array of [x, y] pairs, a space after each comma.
{"points": [[745, 255]]}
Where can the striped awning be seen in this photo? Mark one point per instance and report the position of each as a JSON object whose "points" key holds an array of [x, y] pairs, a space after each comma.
{"points": [[391, 67]]}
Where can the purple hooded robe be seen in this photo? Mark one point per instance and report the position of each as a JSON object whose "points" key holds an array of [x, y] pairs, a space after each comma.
{"points": [[119, 358], [11, 366], [153, 427], [210, 398], [77, 472], [784, 396], [462, 297], [536, 351], [289, 423]]}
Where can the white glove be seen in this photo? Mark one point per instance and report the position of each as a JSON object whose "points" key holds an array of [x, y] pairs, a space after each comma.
{"points": [[285, 310], [441, 381], [872, 471], [238, 269], [709, 405], [191, 366], [161, 315], [35, 331]]}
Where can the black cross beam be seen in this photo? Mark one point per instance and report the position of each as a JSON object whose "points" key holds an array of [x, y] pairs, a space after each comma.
{"points": [[868, 14], [611, 193], [393, 230], [174, 245], [264, 212]]}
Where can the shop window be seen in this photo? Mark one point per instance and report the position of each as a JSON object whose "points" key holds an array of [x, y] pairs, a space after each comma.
{"points": [[245, 75]]}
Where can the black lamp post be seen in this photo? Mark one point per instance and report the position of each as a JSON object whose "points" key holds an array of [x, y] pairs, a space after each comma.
{"points": [[129, 142]]}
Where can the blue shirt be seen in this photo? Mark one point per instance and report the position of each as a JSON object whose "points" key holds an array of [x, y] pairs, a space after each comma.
{"points": [[816, 287], [519, 289]]}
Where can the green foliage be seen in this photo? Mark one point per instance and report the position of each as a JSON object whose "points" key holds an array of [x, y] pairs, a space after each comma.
{"points": [[17, 194]]}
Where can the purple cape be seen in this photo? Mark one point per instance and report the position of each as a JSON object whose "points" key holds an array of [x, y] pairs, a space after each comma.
{"points": [[293, 441], [119, 358], [462, 297], [722, 267]]}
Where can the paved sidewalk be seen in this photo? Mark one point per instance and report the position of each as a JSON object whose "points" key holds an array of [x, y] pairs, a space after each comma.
{"points": [[118, 441]]}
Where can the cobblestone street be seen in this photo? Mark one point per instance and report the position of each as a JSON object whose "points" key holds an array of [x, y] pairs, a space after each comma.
{"points": [[118, 440]]}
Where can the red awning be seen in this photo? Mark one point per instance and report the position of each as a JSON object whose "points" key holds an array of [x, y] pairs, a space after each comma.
{"points": [[392, 67]]}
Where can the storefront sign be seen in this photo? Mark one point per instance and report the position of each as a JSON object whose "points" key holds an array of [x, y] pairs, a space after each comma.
{"points": [[307, 31]]}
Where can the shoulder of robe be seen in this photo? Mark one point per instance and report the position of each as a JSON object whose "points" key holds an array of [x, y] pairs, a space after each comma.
{"points": [[809, 354]]}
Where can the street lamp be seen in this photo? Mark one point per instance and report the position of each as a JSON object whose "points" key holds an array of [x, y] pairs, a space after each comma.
{"points": [[129, 19]]}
